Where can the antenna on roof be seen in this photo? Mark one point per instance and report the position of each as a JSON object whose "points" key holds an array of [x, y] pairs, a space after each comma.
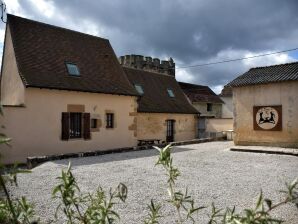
{"points": [[3, 10]]}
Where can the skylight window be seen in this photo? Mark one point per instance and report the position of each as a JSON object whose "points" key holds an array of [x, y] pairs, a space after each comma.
{"points": [[171, 93], [139, 88], [73, 69]]}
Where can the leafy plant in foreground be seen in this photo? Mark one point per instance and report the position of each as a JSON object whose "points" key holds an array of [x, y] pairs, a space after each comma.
{"points": [[87, 208], [180, 200], [261, 214], [154, 213]]}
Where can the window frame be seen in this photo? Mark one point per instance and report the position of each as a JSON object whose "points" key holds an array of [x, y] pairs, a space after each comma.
{"points": [[92, 122], [171, 93], [69, 69], [136, 85], [209, 107], [74, 125], [110, 123]]}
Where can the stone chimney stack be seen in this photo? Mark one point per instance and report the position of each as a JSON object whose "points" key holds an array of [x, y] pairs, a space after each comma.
{"points": [[148, 64]]}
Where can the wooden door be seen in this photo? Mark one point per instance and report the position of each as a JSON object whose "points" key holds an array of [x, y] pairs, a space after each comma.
{"points": [[170, 130]]}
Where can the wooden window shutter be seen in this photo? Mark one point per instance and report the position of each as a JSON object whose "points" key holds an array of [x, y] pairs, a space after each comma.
{"points": [[86, 123], [65, 126]]}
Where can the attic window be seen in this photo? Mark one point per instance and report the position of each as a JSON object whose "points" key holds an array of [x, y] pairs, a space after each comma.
{"points": [[72, 69], [139, 88], [171, 93]]}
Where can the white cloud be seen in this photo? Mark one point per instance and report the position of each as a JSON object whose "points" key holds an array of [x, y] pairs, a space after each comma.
{"points": [[44, 7], [267, 60], [2, 33], [184, 76], [87, 26], [252, 62], [14, 7], [48, 12], [217, 89]]}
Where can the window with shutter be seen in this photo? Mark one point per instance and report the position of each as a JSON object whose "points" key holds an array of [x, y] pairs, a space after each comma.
{"points": [[65, 126], [75, 129], [86, 122], [110, 120], [75, 125]]}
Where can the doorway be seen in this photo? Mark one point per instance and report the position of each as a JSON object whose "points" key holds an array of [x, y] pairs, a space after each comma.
{"points": [[170, 130], [202, 127]]}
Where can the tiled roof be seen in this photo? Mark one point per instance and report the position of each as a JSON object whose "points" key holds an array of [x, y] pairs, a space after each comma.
{"points": [[269, 74], [156, 98], [41, 51], [226, 91], [199, 93]]}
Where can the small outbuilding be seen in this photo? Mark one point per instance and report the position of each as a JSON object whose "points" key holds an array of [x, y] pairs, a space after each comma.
{"points": [[164, 113], [203, 99], [265, 101]]}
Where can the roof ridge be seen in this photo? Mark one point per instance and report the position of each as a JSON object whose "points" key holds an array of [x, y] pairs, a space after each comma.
{"points": [[268, 74], [187, 83], [54, 26], [276, 65]]}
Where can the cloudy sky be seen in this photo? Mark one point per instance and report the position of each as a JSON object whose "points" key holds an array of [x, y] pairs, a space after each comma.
{"points": [[190, 31]]}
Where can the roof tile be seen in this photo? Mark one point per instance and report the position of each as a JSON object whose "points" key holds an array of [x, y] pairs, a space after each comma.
{"points": [[199, 93], [268, 74], [156, 98], [41, 51]]}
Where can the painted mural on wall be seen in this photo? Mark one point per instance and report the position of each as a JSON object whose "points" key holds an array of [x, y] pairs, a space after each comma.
{"points": [[268, 118]]}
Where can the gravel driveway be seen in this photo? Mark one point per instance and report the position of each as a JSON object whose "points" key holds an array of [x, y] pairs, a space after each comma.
{"points": [[211, 172]]}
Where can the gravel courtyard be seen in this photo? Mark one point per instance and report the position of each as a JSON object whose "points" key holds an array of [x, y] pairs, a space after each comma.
{"points": [[211, 172]]}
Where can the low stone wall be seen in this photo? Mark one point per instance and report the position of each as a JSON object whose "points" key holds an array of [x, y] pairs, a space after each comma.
{"points": [[219, 124], [35, 161]]}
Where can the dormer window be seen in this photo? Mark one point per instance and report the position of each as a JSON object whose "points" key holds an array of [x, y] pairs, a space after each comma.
{"points": [[72, 69], [171, 93], [139, 88]]}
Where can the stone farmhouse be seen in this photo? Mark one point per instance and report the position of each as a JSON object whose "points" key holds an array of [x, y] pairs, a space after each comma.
{"points": [[203, 99], [65, 92], [162, 107], [214, 120], [265, 103]]}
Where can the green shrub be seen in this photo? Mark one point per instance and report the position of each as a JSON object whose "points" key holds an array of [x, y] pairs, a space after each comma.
{"points": [[87, 208]]}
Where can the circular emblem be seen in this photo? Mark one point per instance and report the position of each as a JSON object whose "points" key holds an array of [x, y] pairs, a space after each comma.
{"points": [[267, 118]]}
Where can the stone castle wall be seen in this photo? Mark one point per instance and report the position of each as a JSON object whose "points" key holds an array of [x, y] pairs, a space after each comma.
{"points": [[148, 64]]}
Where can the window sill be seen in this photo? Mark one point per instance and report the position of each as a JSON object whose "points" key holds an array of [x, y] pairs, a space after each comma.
{"points": [[75, 139], [79, 138]]}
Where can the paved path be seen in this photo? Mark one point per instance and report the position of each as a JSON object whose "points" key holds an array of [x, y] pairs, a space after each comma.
{"points": [[267, 149], [210, 170]]}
